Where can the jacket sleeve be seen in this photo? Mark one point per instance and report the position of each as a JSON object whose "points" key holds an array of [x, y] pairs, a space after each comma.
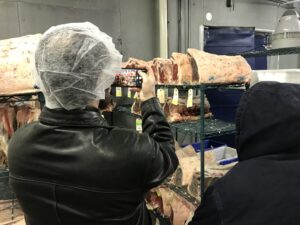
{"points": [[208, 213], [163, 158]]}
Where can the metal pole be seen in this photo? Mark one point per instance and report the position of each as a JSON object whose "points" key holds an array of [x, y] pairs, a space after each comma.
{"points": [[202, 137]]}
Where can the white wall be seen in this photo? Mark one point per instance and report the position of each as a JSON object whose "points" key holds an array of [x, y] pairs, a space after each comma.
{"points": [[129, 22]]}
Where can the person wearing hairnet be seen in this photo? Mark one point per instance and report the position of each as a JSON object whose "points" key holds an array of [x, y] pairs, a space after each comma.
{"points": [[70, 167]]}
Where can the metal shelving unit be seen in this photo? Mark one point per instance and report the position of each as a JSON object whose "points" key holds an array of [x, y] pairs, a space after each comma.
{"points": [[202, 128], [212, 127], [272, 52], [32, 95], [205, 128]]}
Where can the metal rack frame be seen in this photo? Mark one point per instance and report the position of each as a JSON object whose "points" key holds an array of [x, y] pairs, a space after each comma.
{"points": [[199, 127], [271, 52], [33, 95]]}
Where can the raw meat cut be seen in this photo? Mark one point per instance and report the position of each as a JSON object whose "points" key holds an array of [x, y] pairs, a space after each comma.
{"points": [[182, 210], [180, 112], [220, 69], [17, 64], [170, 204], [186, 73], [134, 63], [14, 116], [165, 71], [189, 165], [8, 120]]}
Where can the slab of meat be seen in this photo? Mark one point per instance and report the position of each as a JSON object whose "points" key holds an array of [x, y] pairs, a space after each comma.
{"points": [[180, 112], [165, 71], [213, 172], [134, 63], [220, 69], [170, 204], [186, 73], [17, 63], [182, 210]]}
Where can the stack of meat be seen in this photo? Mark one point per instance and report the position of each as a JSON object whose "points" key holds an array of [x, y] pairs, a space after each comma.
{"points": [[187, 177], [179, 112], [171, 205], [11, 118], [196, 67], [17, 64]]}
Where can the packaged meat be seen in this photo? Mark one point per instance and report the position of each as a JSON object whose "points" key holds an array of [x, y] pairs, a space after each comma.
{"points": [[220, 69], [17, 64]]}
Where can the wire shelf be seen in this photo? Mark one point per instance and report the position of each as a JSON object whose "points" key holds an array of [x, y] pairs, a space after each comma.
{"points": [[20, 97], [202, 86], [212, 127], [183, 193], [272, 52]]}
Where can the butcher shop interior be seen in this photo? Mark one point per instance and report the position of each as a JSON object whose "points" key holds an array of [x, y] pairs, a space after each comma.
{"points": [[149, 112]]}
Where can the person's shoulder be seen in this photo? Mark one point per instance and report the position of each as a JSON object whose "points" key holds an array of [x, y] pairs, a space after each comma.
{"points": [[23, 132]]}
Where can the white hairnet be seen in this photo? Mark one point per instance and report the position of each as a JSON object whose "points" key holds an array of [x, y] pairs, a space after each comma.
{"points": [[75, 64]]}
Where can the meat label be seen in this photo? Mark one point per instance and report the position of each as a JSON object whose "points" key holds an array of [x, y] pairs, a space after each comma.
{"points": [[138, 125], [129, 93], [161, 96], [118, 92], [175, 97], [190, 98]]}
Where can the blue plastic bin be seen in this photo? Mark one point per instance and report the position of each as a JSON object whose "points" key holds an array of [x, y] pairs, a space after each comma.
{"points": [[208, 145]]}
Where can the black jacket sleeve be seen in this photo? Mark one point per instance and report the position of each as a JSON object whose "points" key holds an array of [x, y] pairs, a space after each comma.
{"points": [[208, 213], [163, 159]]}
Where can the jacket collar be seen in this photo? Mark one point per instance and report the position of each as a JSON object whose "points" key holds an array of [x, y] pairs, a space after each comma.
{"points": [[88, 117]]}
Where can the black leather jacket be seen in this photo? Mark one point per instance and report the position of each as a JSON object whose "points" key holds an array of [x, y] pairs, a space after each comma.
{"points": [[71, 168]]}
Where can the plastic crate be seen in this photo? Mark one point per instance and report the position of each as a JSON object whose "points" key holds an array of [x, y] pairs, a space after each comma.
{"points": [[224, 155]]}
